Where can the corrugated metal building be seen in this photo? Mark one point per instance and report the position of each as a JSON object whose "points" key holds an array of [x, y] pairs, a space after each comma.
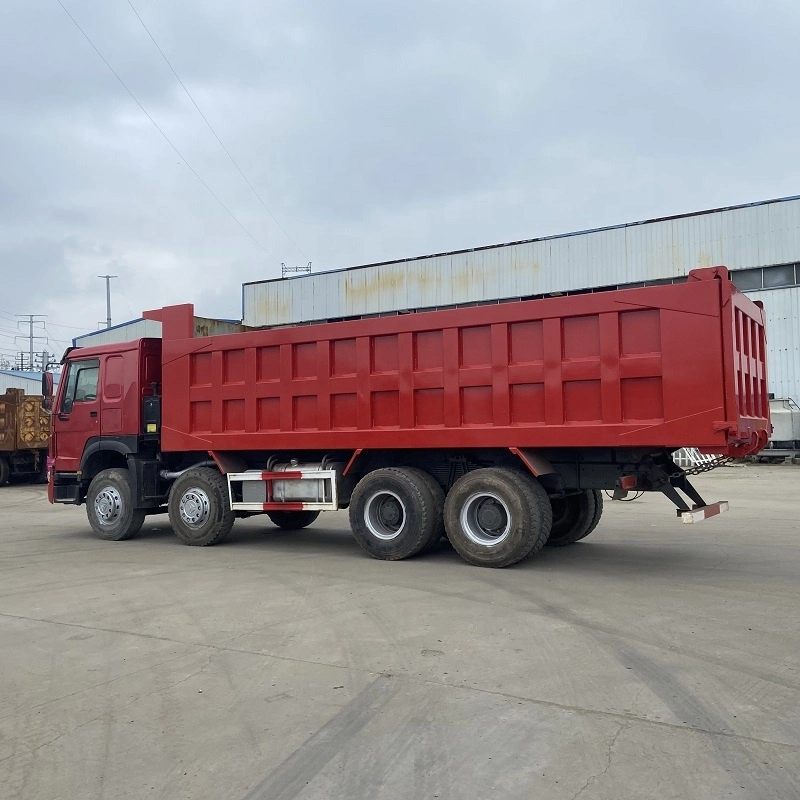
{"points": [[31, 382], [147, 328], [760, 241]]}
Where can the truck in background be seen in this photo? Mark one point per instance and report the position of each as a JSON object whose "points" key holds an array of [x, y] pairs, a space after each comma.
{"points": [[24, 436], [497, 425]]}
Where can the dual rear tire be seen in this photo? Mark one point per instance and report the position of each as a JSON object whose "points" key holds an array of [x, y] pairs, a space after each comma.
{"points": [[575, 517], [496, 517], [396, 512], [493, 517]]}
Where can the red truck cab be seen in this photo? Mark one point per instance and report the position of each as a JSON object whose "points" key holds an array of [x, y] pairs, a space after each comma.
{"points": [[103, 413]]}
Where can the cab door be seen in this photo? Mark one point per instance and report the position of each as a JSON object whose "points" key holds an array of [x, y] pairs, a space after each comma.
{"points": [[78, 413]]}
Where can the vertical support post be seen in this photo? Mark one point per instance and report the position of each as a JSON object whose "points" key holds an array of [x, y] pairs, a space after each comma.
{"points": [[107, 279]]}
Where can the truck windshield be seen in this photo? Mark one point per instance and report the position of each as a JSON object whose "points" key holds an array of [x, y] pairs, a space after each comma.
{"points": [[82, 377]]}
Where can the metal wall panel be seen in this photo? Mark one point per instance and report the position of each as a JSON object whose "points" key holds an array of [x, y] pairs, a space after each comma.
{"points": [[146, 328], [739, 237], [126, 332], [783, 339], [31, 385]]}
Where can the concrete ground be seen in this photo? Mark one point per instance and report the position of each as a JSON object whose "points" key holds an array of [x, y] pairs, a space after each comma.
{"points": [[653, 660]]}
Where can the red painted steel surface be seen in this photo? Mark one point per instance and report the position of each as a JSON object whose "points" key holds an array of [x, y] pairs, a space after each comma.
{"points": [[665, 366]]}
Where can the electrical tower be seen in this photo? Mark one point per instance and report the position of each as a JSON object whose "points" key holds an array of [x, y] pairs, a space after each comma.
{"points": [[31, 336]]}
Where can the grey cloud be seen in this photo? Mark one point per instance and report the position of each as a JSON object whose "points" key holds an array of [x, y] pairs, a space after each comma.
{"points": [[372, 130]]}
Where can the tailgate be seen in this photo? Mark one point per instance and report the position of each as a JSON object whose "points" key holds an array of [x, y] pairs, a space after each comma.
{"points": [[746, 397]]}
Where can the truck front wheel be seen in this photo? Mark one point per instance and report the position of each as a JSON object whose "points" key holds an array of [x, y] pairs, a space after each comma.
{"points": [[575, 517], [109, 506], [394, 513], [199, 508], [5, 471], [497, 516]]}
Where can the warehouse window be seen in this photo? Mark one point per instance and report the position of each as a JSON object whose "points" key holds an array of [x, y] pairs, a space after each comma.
{"points": [[747, 279], [659, 282], [774, 277], [782, 275]]}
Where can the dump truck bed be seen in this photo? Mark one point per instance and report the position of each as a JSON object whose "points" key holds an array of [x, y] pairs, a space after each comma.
{"points": [[662, 367]]}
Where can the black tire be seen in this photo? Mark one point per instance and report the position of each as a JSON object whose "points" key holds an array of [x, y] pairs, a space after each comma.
{"points": [[292, 520], [199, 507], [5, 471], [394, 513], [575, 517], [42, 476], [109, 506], [438, 505], [498, 516]]}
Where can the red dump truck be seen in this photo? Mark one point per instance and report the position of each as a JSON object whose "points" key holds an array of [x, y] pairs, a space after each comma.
{"points": [[496, 425]]}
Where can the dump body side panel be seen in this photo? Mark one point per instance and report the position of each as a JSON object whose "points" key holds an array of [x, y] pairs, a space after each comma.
{"points": [[638, 367]]}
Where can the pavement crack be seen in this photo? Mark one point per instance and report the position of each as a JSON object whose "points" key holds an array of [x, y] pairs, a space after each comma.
{"points": [[592, 779]]}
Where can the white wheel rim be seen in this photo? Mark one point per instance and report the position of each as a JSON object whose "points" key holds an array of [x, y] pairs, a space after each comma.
{"points": [[194, 508], [385, 515], [485, 519], [108, 505]]}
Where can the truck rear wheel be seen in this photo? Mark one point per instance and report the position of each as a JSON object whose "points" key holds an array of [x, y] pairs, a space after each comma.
{"points": [[496, 517], [575, 517], [438, 506], [292, 520], [109, 506], [199, 507], [5, 471], [395, 513]]}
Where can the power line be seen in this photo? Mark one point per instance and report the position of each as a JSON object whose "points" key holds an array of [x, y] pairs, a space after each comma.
{"points": [[14, 317], [55, 339], [70, 327], [216, 136], [164, 135], [125, 298]]}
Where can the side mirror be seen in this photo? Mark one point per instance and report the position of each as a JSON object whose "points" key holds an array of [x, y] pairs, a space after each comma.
{"points": [[47, 391]]}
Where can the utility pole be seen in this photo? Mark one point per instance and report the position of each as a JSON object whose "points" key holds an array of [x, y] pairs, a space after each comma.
{"points": [[107, 279], [31, 322]]}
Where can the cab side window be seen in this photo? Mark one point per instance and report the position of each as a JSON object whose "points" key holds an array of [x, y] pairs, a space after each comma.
{"points": [[82, 380], [86, 385]]}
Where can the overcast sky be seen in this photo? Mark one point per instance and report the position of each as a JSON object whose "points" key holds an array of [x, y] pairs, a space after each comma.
{"points": [[371, 130]]}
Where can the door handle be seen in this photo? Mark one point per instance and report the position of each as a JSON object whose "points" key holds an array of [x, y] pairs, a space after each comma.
{"points": [[63, 417], [92, 413]]}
